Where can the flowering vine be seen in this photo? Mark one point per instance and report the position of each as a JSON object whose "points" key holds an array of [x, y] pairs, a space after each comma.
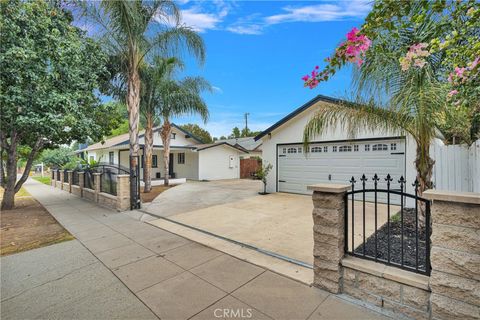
{"points": [[416, 57], [462, 75], [352, 50]]}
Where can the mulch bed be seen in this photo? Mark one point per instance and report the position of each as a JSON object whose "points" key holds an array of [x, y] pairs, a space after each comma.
{"points": [[156, 190], [409, 241]]}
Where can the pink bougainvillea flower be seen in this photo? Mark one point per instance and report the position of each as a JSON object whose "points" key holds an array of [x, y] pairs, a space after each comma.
{"points": [[459, 72], [452, 93], [450, 77], [306, 77], [316, 67], [474, 63], [352, 35]]}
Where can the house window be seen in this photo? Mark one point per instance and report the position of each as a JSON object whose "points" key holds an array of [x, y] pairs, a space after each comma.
{"points": [[355, 147], [316, 149], [367, 147], [284, 150], [181, 158], [173, 135], [292, 150], [154, 161], [300, 150], [325, 149], [379, 147], [393, 146], [111, 157], [345, 149], [334, 148]]}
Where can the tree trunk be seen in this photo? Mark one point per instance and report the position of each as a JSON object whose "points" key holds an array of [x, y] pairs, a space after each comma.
{"points": [[11, 184], [133, 105], [147, 169], [8, 201], [165, 134], [424, 165]]}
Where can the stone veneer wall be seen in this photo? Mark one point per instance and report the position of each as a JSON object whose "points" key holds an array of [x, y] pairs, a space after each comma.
{"points": [[455, 255], [120, 202], [374, 287], [451, 292]]}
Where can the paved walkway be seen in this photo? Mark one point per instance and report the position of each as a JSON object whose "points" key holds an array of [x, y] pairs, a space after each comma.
{"points": [[123, 268]]}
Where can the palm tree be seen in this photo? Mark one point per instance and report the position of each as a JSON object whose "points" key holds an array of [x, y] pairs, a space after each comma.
{"points": [[391, 99], [152, 76], [129, 34], [178, 98]]}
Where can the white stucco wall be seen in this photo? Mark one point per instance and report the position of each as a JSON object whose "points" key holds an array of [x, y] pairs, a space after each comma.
{"points": [[214, 163], [292, 132], [187, 170], [179, 140]]}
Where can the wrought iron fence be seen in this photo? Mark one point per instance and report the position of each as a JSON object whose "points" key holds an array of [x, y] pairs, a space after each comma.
{"points": [[108, 177], [65, 175], [89, 179], [75, 177], [391, 233], [58, 175], [53, 174], [108, 181]]}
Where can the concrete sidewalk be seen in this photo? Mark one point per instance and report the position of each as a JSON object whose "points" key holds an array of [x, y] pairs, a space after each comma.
{"points": [[134, 269]]}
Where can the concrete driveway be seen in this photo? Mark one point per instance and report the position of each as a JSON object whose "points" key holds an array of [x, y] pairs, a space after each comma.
{"points": [[195, 195], [280, 222]]}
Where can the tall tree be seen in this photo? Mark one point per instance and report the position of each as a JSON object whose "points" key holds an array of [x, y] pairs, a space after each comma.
{"points": [[50, 101], [152, 77], [132, 30], [179, 98]]}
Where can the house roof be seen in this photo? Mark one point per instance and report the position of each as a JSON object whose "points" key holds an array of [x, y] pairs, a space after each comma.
{"points": [[124, 138], [297, 112], [201, 147], [248, 143]]}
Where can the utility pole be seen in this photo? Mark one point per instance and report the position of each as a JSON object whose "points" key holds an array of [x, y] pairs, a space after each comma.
{"points": [[246, 122]]}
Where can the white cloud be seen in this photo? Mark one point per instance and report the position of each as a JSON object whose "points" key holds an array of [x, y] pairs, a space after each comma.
{"points": [[322, 12], [246, 29], [201, 21]]}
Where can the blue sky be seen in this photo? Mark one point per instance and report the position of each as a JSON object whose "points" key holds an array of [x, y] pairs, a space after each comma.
{"points": [[257, 51]]}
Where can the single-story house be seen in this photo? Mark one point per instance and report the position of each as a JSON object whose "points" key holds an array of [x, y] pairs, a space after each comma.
{"points": [[333, 157], [190, 158], [254, 147]]}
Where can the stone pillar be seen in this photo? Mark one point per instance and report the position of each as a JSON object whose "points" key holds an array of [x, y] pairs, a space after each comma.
{"points": [[81, 182], [70, 178], [455, 254], [328, 234], [123, 192], [62, 173], [96, 178]]}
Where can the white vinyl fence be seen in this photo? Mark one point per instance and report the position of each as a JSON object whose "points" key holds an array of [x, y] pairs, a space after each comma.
{"points": [[457, 167]]}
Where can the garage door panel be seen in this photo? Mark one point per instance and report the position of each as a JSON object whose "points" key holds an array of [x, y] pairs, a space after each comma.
{"points": [[297, 170]]}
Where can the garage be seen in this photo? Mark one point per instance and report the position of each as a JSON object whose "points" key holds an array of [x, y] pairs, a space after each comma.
{"points": [[337, 162]]}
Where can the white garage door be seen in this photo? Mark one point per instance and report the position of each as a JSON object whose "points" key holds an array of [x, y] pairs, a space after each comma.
{"points": [[338, 162]]}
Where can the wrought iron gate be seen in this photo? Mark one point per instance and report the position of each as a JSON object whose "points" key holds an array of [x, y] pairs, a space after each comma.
{"points": [[402, 240]]}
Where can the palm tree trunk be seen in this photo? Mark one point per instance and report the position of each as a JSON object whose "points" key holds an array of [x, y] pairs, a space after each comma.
{"points": [[147, 169], [133, 105], [424, 165], [165, 134]]}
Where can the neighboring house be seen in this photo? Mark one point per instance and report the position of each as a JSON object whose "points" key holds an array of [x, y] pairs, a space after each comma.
{"points": [[254, 147], [333, 157], [189, 157]]}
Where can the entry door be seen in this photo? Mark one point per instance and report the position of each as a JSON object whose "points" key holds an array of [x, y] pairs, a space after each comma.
{"points": [[338, 162], [170, 165]]}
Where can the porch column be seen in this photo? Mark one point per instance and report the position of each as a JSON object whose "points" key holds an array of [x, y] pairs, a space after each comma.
{"points": [[455, 254], [328, 234]]}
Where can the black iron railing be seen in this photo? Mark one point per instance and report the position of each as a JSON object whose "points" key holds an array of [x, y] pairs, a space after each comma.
{"points": [[108, 181], [395, 231], [89, 179], [75, 177], [58, 175], [65, 175]]}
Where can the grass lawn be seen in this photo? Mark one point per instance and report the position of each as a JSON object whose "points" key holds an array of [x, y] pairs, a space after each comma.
{"points": [[28, 226], [46, 180], [156, 190]]}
